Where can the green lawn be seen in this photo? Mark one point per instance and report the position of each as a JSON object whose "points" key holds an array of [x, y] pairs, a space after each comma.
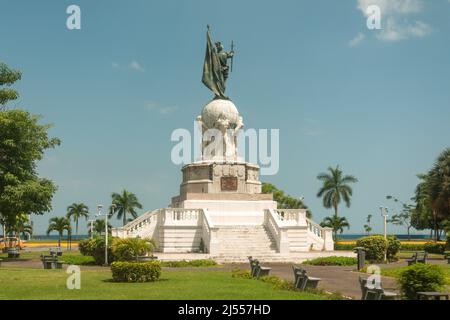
{"points": [[37, 284]]}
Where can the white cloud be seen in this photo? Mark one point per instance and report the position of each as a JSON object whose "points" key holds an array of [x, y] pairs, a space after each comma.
{"points": [[357, 40], [394, 32], [164, 110], [394, 18], [133, 66], [389, 7]]}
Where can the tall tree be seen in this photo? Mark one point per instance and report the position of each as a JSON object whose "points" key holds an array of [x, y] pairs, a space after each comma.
{"points": [[433, 194], [368, 227], [335, 187], [23, 141], [336, 223], [76, 211], [126, 203], [7, 78], [283, 200], [59, 224]]}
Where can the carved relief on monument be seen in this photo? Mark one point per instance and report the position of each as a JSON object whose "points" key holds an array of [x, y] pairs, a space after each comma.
{"points": [[229, 183]]}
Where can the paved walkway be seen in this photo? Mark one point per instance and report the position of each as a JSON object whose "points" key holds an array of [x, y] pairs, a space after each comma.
{"points": [[333, 278]]}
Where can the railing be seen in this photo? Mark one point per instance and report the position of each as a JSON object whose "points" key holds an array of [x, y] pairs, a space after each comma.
{"points": [[272, 222], [315, 228], [177, 216]]}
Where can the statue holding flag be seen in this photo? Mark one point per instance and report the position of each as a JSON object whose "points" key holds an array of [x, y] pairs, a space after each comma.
{"points": [[215, 67]]}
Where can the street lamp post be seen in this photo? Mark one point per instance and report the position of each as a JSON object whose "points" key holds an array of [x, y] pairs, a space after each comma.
{"points": [[92, 228], [99, 207], [385, 215]]}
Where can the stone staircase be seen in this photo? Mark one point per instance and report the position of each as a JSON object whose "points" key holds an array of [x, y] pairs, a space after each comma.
{"points": [[238, 242]]}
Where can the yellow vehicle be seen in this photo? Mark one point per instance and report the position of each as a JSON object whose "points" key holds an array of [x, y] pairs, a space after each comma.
{"points": [[11, 242]]}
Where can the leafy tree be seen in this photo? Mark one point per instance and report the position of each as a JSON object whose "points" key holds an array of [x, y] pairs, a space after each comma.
{"points": [[59, 224], [99, 227], [335, 187], [76, 211], [336, 223], [283, 200], [7, 78], [433, 195], [23, 141], [126, 203], [367, 226]]}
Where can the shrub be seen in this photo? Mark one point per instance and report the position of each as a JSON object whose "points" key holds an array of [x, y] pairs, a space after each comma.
{"points": [[238, 273], [433, 247], [421, 277], [278, 283], [332, 261], [135, 271], [393, 247], [130, 249], [375, 247], [192, 263], [96, 248]]}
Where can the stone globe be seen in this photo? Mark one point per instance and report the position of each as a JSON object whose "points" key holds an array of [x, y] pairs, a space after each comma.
{"points": [[220, 109]]}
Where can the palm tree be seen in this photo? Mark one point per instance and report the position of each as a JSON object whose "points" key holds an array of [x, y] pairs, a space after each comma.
{"points": [[335, 187], [336, 223], [76, 211], [126, 203], [99, 227], [20, 226], [59, 224]]}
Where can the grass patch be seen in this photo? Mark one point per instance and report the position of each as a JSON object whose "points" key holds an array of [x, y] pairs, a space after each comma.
{"points": [[332, 261], [39, 284], [186, 264]]}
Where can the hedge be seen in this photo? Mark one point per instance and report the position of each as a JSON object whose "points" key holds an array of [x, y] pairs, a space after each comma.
{"points": [[421, 277], [136, 271], [375, 247], [332, 261], [192, 263]]}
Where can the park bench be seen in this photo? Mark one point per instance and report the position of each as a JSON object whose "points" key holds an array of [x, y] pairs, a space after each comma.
{"points": [[146, 258], [51, 262], [369, 293], [257, 270], [432, 296], [13, 253], [56, 251], [302, 281], [447, 256], [418, 257]]}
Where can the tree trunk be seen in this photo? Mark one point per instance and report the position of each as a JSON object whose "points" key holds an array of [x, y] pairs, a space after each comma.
{"points": [[59, 240], [76, 227], [336, 210], [409, 236]]}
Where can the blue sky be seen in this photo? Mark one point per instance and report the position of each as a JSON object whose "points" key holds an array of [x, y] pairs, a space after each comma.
{"points": [[376, 102]]}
